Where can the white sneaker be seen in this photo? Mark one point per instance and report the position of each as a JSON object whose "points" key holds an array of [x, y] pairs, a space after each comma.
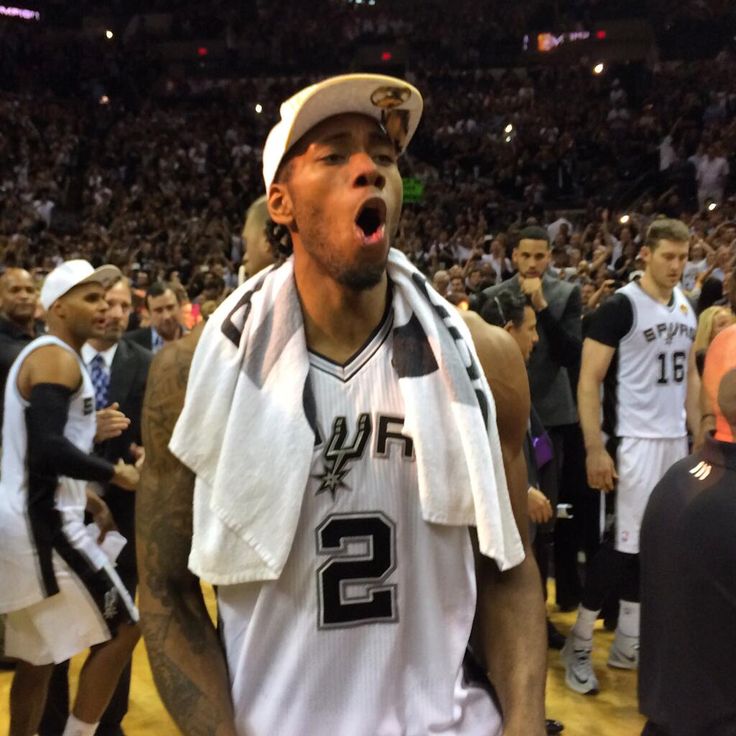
{"points": [[624, 653], [579, 675]]}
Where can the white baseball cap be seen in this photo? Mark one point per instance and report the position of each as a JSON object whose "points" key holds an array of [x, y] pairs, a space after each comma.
{"points": [[394, 103], [73, 273]]}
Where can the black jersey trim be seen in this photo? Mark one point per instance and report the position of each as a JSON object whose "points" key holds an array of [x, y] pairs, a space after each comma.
{"points": [[103, 591], [361, 357]]}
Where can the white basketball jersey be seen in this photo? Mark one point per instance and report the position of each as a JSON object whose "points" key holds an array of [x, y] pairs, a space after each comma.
{"points": [[647, 388], [21, 581], [364, 632]]}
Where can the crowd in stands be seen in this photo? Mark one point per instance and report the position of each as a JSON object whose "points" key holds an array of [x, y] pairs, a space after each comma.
{"points": [[105, 157], [163, 187]]}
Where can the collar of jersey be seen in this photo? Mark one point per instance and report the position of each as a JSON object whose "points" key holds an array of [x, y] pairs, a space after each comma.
{"points": [[360, 358]]}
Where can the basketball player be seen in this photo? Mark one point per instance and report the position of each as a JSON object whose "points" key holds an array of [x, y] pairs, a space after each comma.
{"points": [[296, 658], [59, 589], [639, 348]]}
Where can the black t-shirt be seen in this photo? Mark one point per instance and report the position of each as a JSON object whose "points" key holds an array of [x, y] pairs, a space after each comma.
{"points": [[611, 321], [687, 670], [12, 342]]}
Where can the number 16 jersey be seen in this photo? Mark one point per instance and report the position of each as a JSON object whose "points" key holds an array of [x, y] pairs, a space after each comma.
{"points": [[646, 384], [365, 631]]}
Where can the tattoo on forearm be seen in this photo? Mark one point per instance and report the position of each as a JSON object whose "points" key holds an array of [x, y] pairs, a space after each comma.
{"points": [[185, 653]]}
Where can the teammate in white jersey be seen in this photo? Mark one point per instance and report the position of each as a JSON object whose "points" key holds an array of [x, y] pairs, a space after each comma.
{"points": [[638, 349], [310, 652], [59, 591]]}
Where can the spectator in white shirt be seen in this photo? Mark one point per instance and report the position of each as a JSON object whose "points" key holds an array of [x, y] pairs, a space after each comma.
{"points": [[711, 174]]}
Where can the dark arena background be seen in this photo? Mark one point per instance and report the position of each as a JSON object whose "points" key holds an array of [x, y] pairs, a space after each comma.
{"points": [[131, 133]]}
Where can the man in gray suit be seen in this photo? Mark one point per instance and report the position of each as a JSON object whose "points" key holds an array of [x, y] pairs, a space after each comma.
{"points": [[553, 370]]}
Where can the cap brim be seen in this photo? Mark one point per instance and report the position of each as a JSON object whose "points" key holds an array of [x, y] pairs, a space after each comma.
{"points": [[105, 275], [374, 95]]}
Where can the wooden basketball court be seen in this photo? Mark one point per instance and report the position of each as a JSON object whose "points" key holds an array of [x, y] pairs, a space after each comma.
{"points": [[613, 712]]}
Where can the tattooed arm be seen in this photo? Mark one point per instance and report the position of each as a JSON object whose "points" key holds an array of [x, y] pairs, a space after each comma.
{"points": [[510, 626], [186, 657]]}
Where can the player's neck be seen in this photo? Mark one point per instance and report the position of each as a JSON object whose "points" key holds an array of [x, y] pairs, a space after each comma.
{"points": [[66, 336], [661, 294], [339, 321]]}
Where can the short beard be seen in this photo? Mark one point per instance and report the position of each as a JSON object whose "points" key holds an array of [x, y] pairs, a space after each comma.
{"points": [[360, 279], [352, 276]]}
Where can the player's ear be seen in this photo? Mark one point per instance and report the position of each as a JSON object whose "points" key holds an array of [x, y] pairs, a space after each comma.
{"points": [[280, 206], [58, 308]]}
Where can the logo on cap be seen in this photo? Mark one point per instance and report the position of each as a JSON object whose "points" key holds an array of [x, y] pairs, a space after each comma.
{"points": [[395, 122], [389, 97]]}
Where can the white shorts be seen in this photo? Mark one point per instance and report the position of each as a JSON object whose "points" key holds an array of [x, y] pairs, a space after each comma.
{"points": [[77, 617], [640, 464]]}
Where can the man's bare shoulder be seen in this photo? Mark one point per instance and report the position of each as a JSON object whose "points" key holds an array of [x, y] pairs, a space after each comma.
{"points": [[499, 354], [49, 364], [170, 366], [505, 372], [167, 383]]}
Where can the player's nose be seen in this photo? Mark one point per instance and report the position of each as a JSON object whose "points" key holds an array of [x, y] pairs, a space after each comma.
{"points": [[365, 171]]}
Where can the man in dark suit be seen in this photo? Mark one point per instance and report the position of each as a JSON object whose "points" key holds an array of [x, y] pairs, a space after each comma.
{"points": [[164, 308], [119, 370], [553, 369]]}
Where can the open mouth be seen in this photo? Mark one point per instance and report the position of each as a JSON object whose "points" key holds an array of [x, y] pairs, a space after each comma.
{"points": [[371, 221]]}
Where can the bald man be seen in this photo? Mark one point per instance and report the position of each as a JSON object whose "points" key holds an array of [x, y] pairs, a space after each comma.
{"points": [[687, 669], [258, 252], [18, 326]]}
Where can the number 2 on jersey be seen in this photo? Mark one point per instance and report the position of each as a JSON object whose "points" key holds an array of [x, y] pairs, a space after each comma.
{"points": [[351, 585], [677, 374]]}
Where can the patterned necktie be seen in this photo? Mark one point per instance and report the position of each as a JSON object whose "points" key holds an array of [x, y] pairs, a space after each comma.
{"points": [[100, 380]]}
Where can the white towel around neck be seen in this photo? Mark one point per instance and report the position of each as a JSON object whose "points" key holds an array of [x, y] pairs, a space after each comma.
{"points": [[246, 429]]}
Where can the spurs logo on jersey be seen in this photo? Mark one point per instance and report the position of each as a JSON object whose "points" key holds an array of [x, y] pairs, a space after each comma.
{"points": [[337, 456], [667, 331]]}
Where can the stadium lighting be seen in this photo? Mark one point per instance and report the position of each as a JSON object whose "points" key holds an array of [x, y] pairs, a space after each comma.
{"points": [[109, 35], [508, 139], [508, 128], [712, 206], [624, 219], [104, 100], [259, 108], [598, 68]]}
